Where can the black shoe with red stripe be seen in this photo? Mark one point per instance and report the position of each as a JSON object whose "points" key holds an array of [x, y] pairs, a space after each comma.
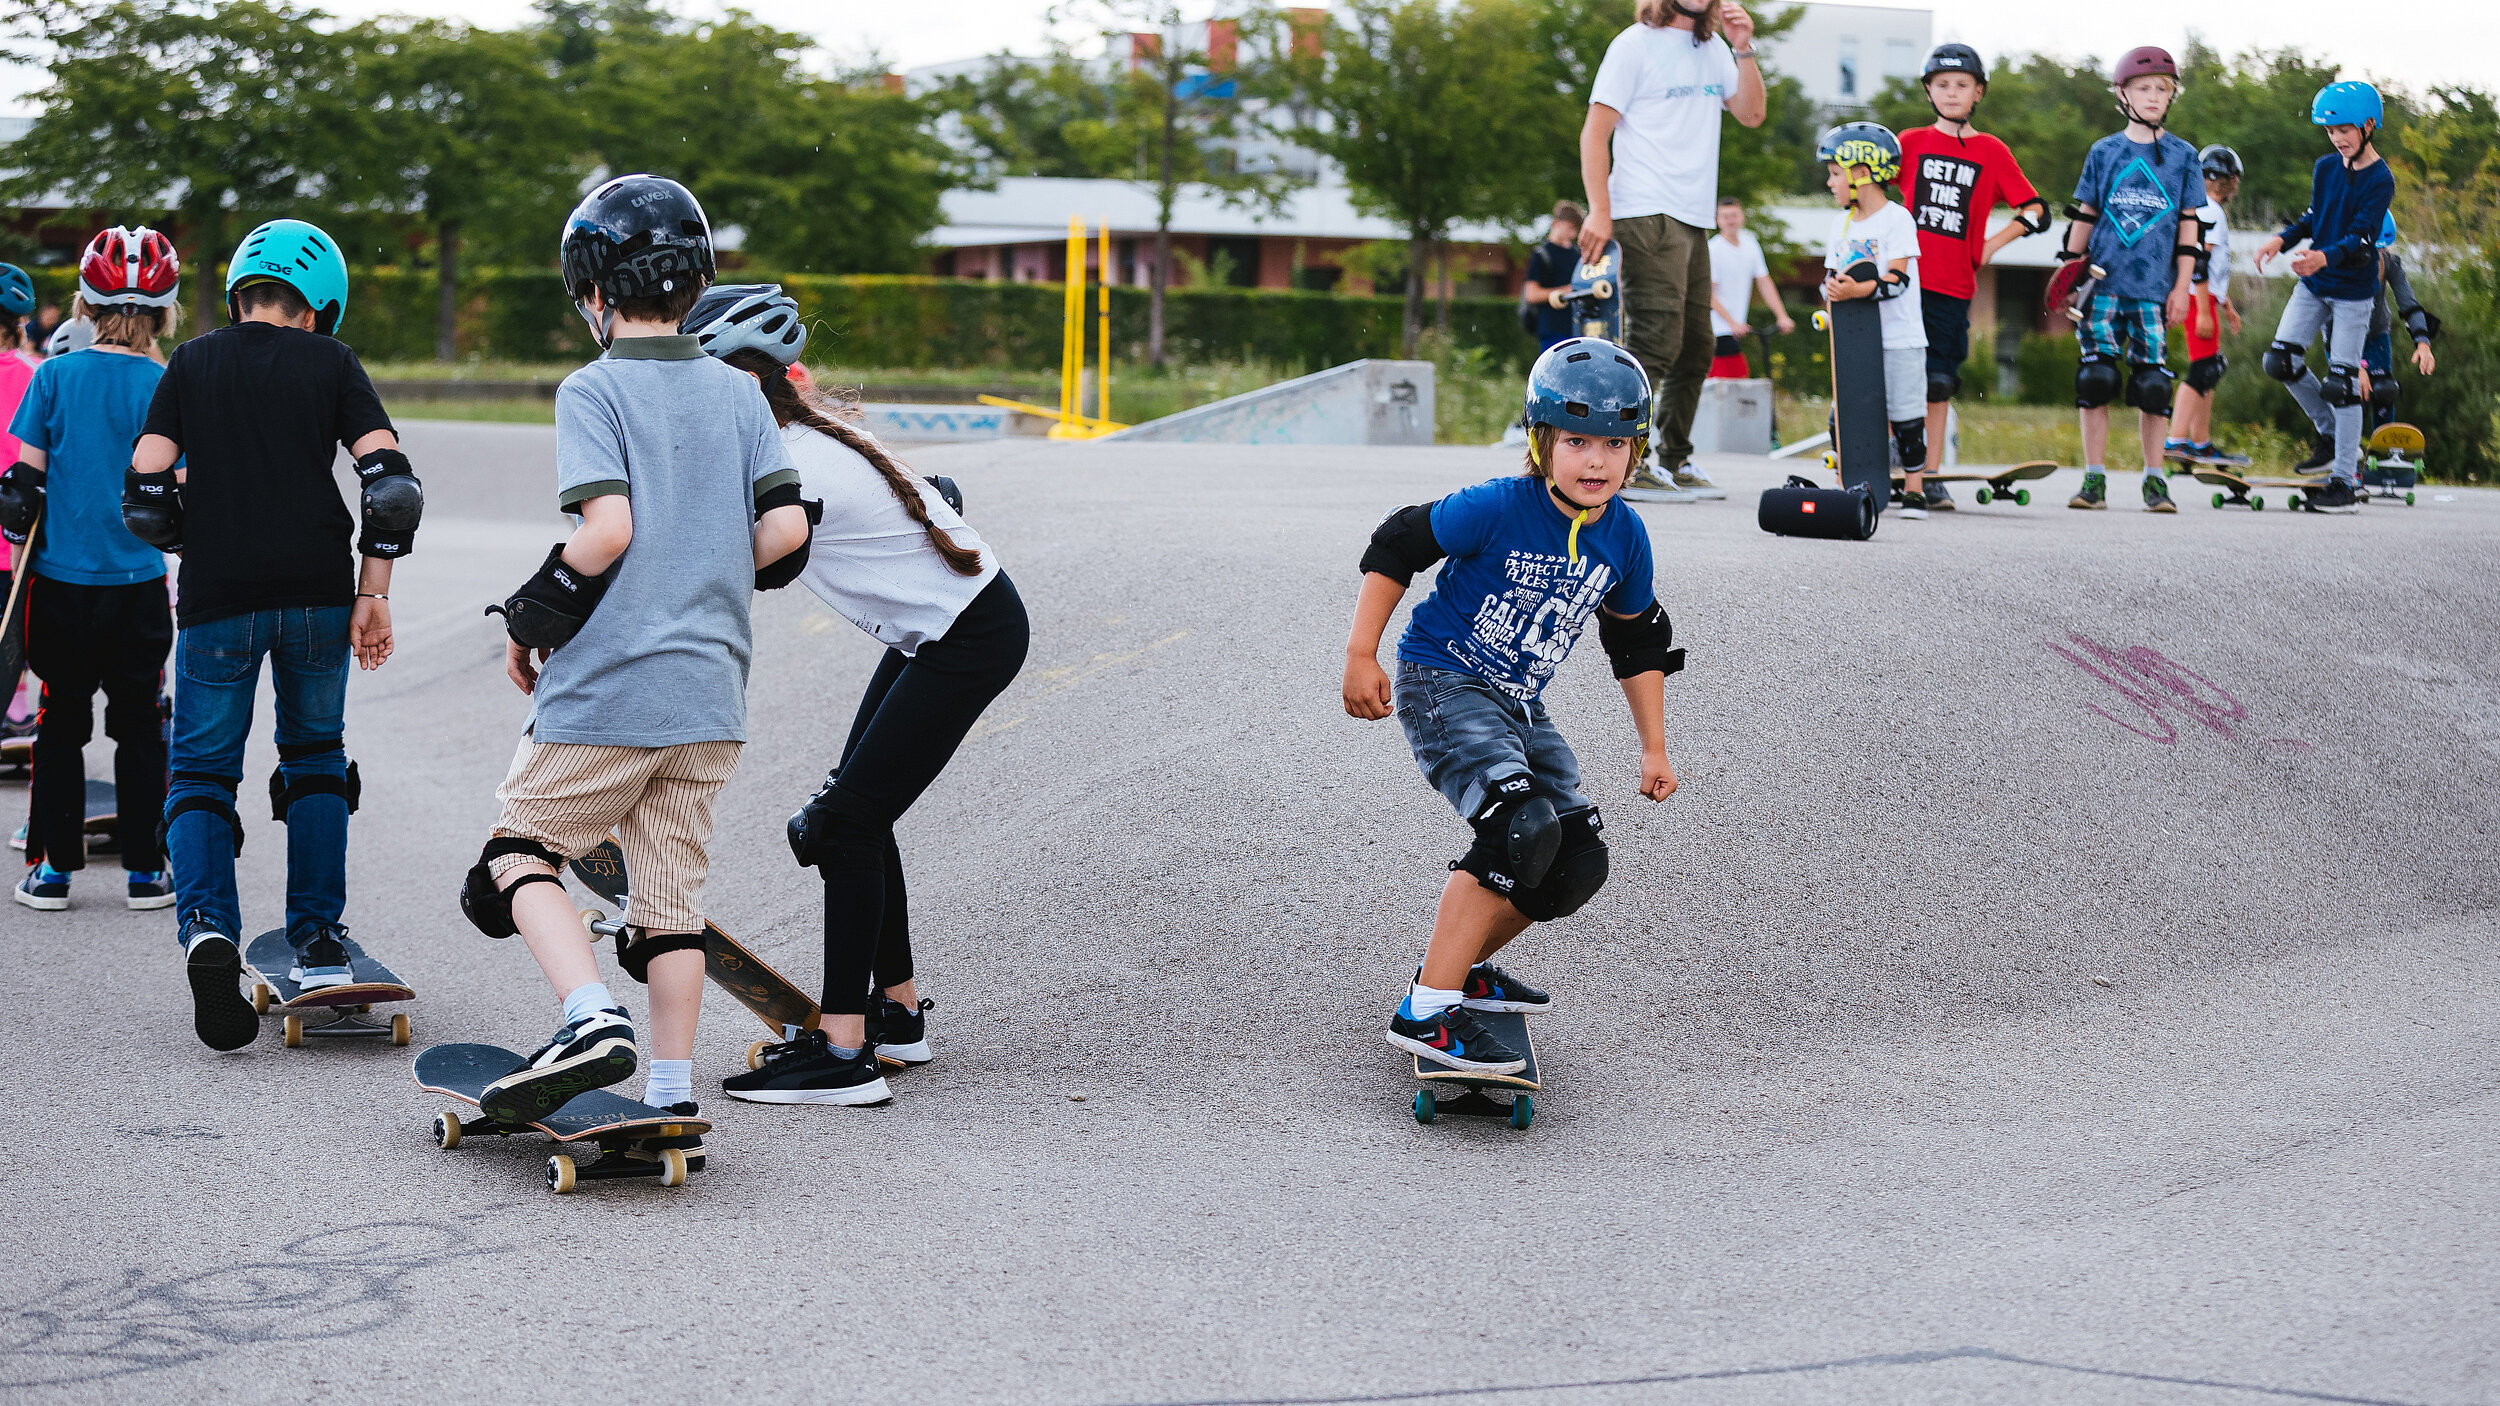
{"points": [[1489, 988], [1454, 1037]]}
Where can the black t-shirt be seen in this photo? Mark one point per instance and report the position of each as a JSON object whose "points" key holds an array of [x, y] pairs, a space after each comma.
{"points": [[260, 412], [1551, 265]]}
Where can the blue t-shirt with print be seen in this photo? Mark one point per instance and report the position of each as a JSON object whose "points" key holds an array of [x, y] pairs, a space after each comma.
{"points": [[1511, 600], [2141, 191], [83, 410]]}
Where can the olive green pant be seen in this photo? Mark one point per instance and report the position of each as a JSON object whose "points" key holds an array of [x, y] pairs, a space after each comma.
{"points": [[1666, 321]]}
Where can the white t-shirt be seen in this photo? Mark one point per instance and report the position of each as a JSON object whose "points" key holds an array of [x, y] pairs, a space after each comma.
{"points": [[1879, 239], [2218, 236], [1733, 268], [1668, 92], [868, 559]]}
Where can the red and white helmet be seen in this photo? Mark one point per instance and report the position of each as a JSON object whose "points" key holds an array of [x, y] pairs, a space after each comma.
{"points": [[128, 264]]}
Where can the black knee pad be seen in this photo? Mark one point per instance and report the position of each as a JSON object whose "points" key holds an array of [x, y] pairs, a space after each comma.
{"points": [[1942, 385], [2205, 373], [1517, 834], [2097, 382], [636, 948], [2340, 386], [2383, 393], [1579, 871], [2148, 388], [2286, 363], [220, 806], [284, 793], [836, 829], [1909, 440], [487, 905]]}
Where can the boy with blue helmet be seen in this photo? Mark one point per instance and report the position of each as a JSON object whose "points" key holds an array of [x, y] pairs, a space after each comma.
{"points": [[1531, 561], [273, 568], [2349, 192]]}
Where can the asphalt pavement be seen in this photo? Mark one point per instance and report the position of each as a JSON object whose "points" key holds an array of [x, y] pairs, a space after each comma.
{"points": [[2066, 974]]}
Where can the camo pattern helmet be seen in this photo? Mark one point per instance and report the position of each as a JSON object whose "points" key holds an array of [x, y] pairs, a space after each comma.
{"points": [[1868, 144], [2220, 162]]}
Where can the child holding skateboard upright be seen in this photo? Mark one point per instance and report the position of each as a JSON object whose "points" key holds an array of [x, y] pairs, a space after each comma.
{"points": [[2378, 352], [1874, 253], [1531, 560], [254, 413], [1953, 175], [2209, 310], [95, 611], [632, 642]]}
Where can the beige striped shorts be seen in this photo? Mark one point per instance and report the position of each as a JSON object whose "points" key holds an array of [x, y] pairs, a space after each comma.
{"points": [[569, 795]]}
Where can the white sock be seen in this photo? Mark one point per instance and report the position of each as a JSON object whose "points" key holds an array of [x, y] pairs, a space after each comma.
{"points": [[670, 1081], [586, 999], [1424, 1002]]}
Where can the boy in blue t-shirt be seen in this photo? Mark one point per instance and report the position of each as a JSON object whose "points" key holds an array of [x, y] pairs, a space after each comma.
{"points": [[1531, 559], [2134, 219], [2339, 276], [97, 618]]}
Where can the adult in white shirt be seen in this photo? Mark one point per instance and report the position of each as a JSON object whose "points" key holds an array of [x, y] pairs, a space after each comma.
{"points": [[1649, 155], [1737, 270]]}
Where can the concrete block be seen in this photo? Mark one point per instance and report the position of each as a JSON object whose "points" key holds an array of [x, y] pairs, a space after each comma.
{"points": [[1734, 417]]}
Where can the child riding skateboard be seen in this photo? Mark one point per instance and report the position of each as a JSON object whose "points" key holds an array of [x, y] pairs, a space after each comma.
{"points": [[1874, 254], [1530, 561], [2210, 310]]}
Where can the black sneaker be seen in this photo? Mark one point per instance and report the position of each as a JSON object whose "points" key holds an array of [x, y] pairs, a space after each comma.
{"points": [[591, 1053], [2094, 493], [1939, 498], [899, 1032], [2157, 495], [1489, 988], [1454, 1037], [320, 956], [2334, 493], [224, 1020], [691, 1144], [2321, 454], [806, 1070]]}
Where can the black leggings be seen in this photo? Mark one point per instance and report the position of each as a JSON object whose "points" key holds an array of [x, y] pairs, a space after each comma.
{"points": [[912, 718]]}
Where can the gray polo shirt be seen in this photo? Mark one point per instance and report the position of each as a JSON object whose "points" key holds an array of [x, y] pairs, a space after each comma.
{"points": [[689, 440]]}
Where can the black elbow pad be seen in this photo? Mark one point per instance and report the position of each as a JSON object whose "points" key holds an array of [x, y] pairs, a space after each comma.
{"points": [[394, 503], [786, 496], [1403, 545], [774, 575], [152, 509], [1641, 644]]}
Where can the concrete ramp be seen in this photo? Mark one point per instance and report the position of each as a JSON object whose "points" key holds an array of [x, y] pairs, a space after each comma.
{"points": [[1361, 402], [896, 420]]}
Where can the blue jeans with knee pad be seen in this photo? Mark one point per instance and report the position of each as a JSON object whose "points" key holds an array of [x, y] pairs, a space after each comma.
{"points": [[1468, 736], [2346, 322], [216, 676]]}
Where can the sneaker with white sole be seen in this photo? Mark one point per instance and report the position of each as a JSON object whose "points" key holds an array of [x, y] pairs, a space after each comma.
{"points": [[219, 1014], [809, 1070], [899, 1032], [150, 890], [44, 888], [1454, 1038], [590, 1053], [1489, 988], [320, 957]]}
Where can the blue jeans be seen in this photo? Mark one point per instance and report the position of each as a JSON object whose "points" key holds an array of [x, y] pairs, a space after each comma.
{"points": [[1468, 736], [216, 676]]}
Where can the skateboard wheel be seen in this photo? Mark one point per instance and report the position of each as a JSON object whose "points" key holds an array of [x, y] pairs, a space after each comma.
{"points": [[2408, 497], [261, 995], [2022, 497], [294, 1032], [2217, 500], [560, 1174], [590, 922], [399, 1030], [2256, 502], [1984, 495], [1822, 321], [365, 1009], [1424, 1108], [672, 1166], [1522, 1111], [447, 1131], [755, 1054]]}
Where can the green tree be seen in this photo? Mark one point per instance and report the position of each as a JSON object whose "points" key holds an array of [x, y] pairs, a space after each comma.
{"points": [[2257, 105]]}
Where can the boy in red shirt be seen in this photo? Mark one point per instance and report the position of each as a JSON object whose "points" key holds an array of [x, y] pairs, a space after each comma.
{"points": [[1952, 175]]}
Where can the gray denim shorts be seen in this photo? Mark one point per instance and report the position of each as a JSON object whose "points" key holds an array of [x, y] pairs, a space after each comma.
{"points": [[1469, 736]]}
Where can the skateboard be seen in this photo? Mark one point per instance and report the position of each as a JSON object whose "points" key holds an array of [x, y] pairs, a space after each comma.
{"points": [[2238, 489], [2394, 465], [102, 814], [1861, 452], [1596, 295], [621, 1129], [1472, 1099], [271, 956], [2210, 461], [1996, 485], [781, 1005]]}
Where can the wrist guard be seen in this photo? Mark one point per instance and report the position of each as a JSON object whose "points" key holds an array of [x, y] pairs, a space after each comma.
{"points": [[152, 508], [552, 606], [1640, 645], [393, 502], [21, 501]]}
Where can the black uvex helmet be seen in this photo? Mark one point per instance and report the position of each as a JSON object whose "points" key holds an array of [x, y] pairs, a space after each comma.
{"points": [[635, 237], [1955, 58]]}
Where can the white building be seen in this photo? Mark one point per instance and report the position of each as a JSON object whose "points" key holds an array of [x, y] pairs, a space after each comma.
{"points": [[1844, 54]]}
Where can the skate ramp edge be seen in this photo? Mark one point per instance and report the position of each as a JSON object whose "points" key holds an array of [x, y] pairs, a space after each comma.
{"points": [[900, 420], [1361, 402]]}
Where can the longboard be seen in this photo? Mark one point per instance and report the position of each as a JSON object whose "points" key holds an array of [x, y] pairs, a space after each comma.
{"points": [[1861, 450], [620, 1128], [2238, 490], [775, 999], [271, 956], [1596, 295], [1463, 1092], [2394, 467], [1995, 485], [2210, 461]]}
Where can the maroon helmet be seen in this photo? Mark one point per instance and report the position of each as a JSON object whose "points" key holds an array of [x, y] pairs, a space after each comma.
{"points": [[2145, 60]]}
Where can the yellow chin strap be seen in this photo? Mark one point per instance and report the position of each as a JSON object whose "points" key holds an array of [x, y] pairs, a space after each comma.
{"points": [[1580, 515]]}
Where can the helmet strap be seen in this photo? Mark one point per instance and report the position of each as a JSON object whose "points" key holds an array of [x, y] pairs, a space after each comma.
{"points": [[602, 323]]}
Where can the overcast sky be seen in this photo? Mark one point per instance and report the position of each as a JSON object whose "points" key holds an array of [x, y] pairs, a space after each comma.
{"points": [[2414, 42]]}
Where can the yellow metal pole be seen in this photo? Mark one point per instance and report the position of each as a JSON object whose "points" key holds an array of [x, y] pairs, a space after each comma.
{"points": [[1102, 405], [1072, 325]]}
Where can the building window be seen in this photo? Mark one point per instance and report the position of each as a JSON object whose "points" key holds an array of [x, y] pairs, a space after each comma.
{"points": [[1900, 59], [1848, 68]]}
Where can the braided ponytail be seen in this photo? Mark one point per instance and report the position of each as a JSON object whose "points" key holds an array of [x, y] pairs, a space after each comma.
{"points": [[792, 407]]}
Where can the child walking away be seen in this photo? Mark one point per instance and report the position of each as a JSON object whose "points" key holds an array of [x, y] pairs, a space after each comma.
{"points": [[2209, 308], [1530, 559], [2133, 219], [2349, 191], [17, 368], [2378, 354], [258, 409], [632, 642], [96, 617], [1873, 253], [1953, 175], [895, 558]]}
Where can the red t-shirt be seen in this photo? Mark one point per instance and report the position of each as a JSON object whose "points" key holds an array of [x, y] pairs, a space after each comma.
{"points": [[1950, 184]]}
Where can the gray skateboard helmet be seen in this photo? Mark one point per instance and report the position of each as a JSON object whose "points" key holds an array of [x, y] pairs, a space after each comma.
{"points": [[732, 316]]}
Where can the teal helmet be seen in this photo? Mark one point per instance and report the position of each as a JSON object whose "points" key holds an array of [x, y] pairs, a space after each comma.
{"points": [[17, 291], [299, 255]]}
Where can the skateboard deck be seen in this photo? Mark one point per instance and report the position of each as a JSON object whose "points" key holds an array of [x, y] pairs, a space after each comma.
{"points": [[2239, 489], [1596, 295], [2210, 461], [271, 956], [1465, 1093], [2394, 466], [619, 1127], [1861, 450], [1993, 486]]}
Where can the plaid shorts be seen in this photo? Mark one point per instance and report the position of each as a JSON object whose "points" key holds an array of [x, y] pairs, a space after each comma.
{"points": [[2111, 322]]}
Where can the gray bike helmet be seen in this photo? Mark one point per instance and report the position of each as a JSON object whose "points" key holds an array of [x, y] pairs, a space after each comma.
{"points": [[70, 336], [732, 316]]}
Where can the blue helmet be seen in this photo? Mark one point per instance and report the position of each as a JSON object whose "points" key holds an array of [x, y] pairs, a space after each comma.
{"points": [[1591, 386], [2387, 231], [2346, 104], [299, 255], [17, 291]]}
